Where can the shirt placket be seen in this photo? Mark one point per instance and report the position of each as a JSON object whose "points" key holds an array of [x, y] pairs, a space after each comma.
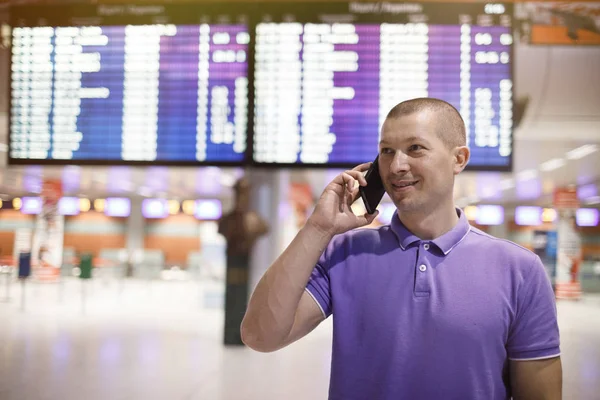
{"points": [[423, 271]]}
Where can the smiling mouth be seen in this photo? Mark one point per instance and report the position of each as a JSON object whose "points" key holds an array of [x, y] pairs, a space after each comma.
{"points": [[404, 184]]}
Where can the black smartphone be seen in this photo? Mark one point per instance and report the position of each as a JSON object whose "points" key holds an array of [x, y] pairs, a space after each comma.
{"points": [[374, 191]]}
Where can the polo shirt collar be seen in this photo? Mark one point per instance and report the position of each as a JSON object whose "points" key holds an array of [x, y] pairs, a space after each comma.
{"points": [[445, 243]]}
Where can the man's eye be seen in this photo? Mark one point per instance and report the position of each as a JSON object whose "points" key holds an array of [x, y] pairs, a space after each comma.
{"points": [[415, 147], [386, 150]]}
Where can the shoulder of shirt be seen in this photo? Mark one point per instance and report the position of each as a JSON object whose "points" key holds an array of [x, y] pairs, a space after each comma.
{"points": [[363, 234], [505, 244], [361, 240]]}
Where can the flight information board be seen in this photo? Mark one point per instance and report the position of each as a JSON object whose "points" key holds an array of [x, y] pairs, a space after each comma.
{"points": [[272, 84], [144, 90], [324, 82]]}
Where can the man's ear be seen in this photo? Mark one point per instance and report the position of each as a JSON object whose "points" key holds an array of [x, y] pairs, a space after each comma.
{"points": [[462, 155]]}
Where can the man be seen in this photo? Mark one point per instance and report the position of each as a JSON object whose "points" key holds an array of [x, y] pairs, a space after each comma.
{"points": [[425, 308], [241, 228]]}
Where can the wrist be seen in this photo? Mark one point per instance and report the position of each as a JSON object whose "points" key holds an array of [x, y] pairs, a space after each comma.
{"points": [[316, 231]]}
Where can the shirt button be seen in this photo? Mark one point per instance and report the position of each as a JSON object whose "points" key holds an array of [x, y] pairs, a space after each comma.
{"points": [[426, 246], [423, 268]]}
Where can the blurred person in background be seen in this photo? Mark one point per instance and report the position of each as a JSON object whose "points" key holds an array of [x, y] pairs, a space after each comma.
{"points": [[241, 228]]}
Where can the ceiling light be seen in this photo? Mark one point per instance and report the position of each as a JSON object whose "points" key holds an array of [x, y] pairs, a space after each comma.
{"points": [[553, 164], [155, 208], [586, 191], [126, 186], [84, 205], [490, 215], [527, 175], [227, 180], [173, 206], [548, 215], [145, 192], [582, 151], [506, 184], [488, 192], [208, 209], [587, 217], [68, 206], [471, 212], [528, 216], [189, 207], [592, 200], [99, 205]]}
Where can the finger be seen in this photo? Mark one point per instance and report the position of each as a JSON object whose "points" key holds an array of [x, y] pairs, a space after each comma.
{"points": [[354, 195], [349, 180], [350, 197], [359, 176], [362, 167], [352, 190]]}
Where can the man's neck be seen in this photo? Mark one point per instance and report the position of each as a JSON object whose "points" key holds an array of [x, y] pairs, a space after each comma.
{"points": [[431, 225]]}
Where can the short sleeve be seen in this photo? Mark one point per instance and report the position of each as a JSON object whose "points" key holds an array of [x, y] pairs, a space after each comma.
{"points": [[534, 332], [319, 287]]}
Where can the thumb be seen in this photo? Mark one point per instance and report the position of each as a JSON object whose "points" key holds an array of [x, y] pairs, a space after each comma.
{"points": [[367, 218]]}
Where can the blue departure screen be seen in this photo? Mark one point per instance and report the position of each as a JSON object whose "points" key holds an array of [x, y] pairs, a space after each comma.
{"points": [[139, 93], [171, 83], [324, 84]]}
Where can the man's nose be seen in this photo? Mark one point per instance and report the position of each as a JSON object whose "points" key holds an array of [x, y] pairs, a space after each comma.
{"points": [[399, 163]]}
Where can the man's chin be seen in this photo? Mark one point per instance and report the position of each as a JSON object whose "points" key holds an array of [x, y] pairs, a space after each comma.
{"points": [[404, 205]]}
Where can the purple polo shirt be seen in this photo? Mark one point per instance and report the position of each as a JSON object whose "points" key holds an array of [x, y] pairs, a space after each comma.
{"points": [[437, 319]]}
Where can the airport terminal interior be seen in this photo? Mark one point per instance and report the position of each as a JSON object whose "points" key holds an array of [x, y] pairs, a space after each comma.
{"points": [[129, 131]]}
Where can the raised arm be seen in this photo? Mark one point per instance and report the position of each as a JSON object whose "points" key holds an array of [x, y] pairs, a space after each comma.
{"points": [[280, 311]]}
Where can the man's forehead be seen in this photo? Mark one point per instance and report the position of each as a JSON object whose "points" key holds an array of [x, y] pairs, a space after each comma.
{"points": [[409, 126]]}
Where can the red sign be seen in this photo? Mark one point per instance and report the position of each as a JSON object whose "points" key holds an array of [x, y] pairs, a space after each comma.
{"points": [[51, 191], [566, 198], [301, 200]]}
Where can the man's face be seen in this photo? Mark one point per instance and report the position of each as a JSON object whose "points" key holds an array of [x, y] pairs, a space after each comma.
{"points": [[416, 167]]}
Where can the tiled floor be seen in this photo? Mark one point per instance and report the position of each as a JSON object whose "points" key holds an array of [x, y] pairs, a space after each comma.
{"points": [[163, 341]]}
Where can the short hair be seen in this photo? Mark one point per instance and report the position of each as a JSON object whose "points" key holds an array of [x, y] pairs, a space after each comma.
{"points": [[451, 128]]}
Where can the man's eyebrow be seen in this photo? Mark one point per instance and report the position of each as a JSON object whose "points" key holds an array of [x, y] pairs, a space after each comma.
{"points": [[408, 139]]}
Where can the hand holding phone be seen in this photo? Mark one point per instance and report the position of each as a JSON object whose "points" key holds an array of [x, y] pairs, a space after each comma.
{"points": [[374, 191]]}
